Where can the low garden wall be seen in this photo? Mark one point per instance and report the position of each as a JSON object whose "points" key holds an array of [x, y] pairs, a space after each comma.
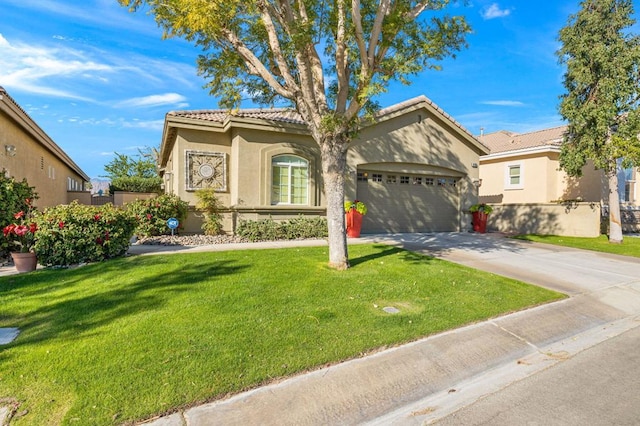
{"points": [[567, 219]]}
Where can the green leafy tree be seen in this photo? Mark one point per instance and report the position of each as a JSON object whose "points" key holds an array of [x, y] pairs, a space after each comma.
{"points": [[327, 59], [134, 174], [602, 81]]}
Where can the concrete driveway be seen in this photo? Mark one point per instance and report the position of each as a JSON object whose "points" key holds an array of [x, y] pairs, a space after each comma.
{"points": [[429, 379]]}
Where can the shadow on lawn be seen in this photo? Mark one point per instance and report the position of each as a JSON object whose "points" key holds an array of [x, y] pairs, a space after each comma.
{"points": [[387, 250], [66, 309]]}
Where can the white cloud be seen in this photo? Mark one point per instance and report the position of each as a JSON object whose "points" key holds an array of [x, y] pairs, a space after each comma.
{"points": [[146, 125], [493, 11], [154, 100], [504, 103], [88, 74], [39, 70]]}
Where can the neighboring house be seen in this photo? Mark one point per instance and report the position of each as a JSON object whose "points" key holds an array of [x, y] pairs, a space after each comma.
{"points": [[524, 169], [415, 167], [26, 151]]}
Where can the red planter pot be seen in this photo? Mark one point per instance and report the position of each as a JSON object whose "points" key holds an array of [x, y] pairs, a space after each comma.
{"points": [[354, 223], [479, 222]]}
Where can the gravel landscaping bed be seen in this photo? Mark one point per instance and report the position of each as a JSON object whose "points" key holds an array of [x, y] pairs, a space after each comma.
{"points": [[190, 240]]}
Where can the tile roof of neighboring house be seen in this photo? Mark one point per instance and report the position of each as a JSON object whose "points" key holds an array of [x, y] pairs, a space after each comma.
{"points": [[27, 123], [505, 141]]}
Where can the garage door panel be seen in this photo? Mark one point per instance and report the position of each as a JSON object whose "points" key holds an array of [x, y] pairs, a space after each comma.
{"points": [[396, 207]]}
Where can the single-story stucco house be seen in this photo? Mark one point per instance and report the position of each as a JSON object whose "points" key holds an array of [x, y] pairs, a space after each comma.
{"points": [[414, 166], [27, 152]]}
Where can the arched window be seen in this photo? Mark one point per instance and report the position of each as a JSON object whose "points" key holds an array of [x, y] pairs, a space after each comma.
{"points": [[289, 180]]}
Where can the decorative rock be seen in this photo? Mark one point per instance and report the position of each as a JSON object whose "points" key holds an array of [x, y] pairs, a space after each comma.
{"points": [[190, 240]]}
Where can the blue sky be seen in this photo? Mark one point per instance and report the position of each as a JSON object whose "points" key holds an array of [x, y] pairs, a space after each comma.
{"points": [[100, 80]]}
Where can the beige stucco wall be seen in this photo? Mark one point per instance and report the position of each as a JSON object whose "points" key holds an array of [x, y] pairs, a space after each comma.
{"points": [[566, 219], [543, 181], [253, 152], [42, 169]]}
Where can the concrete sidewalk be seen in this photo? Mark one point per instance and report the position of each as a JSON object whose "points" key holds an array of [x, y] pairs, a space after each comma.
{"points": [[426, 380]]}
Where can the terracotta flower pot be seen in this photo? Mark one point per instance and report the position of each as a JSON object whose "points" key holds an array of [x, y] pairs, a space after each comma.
{"points": [[25, 262]]}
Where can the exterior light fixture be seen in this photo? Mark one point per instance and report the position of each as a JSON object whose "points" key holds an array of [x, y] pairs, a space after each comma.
{"points": [[10, 150]]}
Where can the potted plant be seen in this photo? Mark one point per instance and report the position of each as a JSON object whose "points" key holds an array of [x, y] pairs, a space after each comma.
{"points": [[354, 212], [479, 214], [22, 237]]}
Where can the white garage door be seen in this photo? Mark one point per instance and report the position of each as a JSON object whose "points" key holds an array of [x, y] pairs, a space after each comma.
{"points": [[399, 202]]}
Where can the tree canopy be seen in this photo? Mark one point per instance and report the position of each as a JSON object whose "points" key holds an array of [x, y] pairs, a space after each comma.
{"points": [[143, 165], [602, 83], [328, 59], [134, 174]]}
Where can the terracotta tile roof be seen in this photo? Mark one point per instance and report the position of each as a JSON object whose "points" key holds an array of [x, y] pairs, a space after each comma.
{"points": [[284, 115], [505, 141]]}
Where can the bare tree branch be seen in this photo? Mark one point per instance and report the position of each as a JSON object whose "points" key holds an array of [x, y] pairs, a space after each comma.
{"points": [[256, 67]]}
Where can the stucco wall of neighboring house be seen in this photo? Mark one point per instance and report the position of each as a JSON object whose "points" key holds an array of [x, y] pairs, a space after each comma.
{"points": [[537, 185], [31, 160], [543, 181], [591, 186], [565, 219]]}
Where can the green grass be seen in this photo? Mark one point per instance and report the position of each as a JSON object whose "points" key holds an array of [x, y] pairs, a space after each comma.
{"points": [[135, 337], [630, 245]]}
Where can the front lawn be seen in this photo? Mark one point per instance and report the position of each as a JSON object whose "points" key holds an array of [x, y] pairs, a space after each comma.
{"points": [[132, 338], [630, 245]]}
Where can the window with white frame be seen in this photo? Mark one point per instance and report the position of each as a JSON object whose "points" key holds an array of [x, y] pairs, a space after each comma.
{"points": [[290, 180], [514, 178]]}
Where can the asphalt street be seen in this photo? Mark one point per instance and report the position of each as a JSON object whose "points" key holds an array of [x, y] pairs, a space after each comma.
{"points": [[599, 386]]}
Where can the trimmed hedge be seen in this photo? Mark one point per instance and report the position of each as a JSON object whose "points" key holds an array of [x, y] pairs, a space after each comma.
{"points": [[269, 230], [75, 233], [136, 184]]}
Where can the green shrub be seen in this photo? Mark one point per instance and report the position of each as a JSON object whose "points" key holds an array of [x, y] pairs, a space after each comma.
{"points": [[75, 233], [12, 200], [293, 229], [210, 206], [152, 214], [136, 184]]}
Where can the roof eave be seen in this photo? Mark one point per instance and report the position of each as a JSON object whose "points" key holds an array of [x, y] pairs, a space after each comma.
{"points": [[13, 110], [520, 152]]}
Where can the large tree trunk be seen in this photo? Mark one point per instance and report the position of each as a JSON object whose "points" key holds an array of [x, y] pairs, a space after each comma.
{"points": [[615, 222], [334, 161]]}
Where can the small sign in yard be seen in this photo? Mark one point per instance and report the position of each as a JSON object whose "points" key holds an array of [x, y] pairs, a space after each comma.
{"points": [[172, 223]]}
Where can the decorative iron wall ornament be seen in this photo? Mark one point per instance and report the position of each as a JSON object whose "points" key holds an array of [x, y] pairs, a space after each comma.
{"points": [[206, 170]]}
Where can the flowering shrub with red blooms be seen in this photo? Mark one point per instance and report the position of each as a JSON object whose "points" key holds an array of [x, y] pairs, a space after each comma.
{"points": [[152, 214], [75, 233], [12, 196], [22, 235]]}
